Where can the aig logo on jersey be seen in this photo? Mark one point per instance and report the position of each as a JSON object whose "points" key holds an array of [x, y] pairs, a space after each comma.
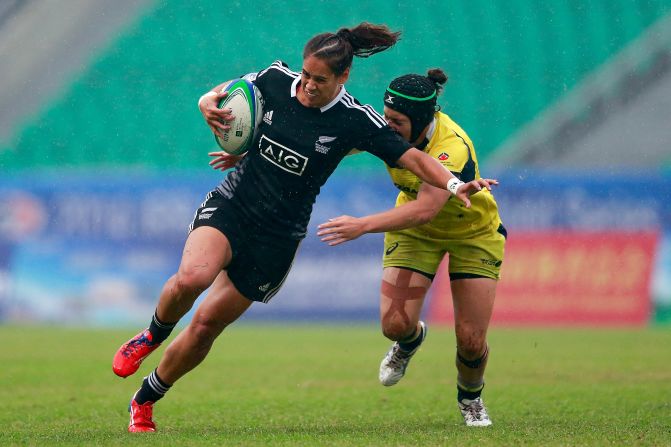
{"points": [[282, 156]]}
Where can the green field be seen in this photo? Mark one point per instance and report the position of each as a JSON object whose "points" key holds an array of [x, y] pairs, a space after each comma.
{"points": [[317, 385]]}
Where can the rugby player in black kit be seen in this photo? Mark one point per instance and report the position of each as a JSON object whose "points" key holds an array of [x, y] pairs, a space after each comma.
{"points": [[244, 237]]}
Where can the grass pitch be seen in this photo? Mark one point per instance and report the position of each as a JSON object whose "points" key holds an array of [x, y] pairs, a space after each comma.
{"points": [[317, 385]]}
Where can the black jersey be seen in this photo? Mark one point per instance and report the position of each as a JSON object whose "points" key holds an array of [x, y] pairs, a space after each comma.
{"points": [[296, 149]]}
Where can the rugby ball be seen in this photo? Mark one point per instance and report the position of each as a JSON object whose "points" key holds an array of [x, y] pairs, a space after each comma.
{"points": [[246, 104]]}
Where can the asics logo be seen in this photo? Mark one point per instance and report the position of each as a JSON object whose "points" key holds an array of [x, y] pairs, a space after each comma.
{"points": [[493, 262]]}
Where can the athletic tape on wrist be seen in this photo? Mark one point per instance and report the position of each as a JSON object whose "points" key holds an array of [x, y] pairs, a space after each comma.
{"points": [[453, 185]]}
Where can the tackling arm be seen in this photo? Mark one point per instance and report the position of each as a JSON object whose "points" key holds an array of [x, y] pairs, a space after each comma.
{"points": [[417, 212], [432, 172], [425, 167]]}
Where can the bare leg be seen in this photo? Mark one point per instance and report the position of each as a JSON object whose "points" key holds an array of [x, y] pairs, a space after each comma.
{"points": [[401, 299], [206, 252], [473, 304], [222, 306]]}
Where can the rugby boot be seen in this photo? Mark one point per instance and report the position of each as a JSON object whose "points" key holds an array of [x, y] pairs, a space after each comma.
{"points": [[394, 364], [129, 357], [474, 412], [141, 417]]}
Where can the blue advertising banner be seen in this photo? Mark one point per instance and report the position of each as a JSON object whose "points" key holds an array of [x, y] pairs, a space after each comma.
{"points": [[81, 250], [95, 249]]}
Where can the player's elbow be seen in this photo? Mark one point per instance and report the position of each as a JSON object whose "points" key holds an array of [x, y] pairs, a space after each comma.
{"points": [[425, 215]]}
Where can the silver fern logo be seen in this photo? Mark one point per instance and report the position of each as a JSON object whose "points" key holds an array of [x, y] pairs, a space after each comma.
{"points": [[320, 144]]}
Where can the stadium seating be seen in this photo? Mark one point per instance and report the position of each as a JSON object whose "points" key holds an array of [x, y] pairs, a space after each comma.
{"points": [[134, 106]]}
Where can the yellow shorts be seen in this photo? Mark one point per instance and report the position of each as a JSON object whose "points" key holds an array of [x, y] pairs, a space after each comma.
{"points": [[415, 250]]}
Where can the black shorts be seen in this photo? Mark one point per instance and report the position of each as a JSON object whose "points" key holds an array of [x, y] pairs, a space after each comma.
{"points": [[260, 263]]}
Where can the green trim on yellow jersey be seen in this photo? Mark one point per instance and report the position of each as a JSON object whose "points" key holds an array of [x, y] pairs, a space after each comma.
{"points": [[453, 148]]}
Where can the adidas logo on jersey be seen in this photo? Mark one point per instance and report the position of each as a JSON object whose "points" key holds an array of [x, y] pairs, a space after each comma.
{"points": [[268, 117], [265, 287], [321, 141]]}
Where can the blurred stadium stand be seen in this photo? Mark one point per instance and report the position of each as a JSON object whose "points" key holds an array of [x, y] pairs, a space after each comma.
{"points": [[129, 101], [620, 109], [8, 8], [45, 45]]}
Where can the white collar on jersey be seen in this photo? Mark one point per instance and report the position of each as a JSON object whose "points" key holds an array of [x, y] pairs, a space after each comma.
{"points": [[432, 129], [341, 93]]}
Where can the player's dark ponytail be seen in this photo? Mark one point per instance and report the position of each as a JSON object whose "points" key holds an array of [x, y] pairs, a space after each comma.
{"points": [[367, 39], [439, 78], [338, 49]]}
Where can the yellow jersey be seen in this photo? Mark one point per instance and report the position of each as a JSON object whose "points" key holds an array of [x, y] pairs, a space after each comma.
{"points": [[452, 147]]}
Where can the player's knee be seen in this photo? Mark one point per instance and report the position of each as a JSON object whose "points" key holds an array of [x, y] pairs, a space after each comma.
{"points": [[203, 333], [192, 282], [471, 343], [397, 329]]}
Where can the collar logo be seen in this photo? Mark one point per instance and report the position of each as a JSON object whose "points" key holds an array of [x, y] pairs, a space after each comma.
{"points": [[443, 156]]}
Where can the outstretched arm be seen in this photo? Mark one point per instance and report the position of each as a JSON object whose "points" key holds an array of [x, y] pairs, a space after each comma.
{"points": [[417, 212], [431, 171]]}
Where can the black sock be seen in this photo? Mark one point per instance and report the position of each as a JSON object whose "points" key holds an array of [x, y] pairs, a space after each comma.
{"points": [[413, 343], [152, 389], [160, 330], [466, 394]]}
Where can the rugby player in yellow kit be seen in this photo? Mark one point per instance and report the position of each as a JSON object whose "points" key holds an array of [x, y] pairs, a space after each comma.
{"points": [[425, 226]]}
